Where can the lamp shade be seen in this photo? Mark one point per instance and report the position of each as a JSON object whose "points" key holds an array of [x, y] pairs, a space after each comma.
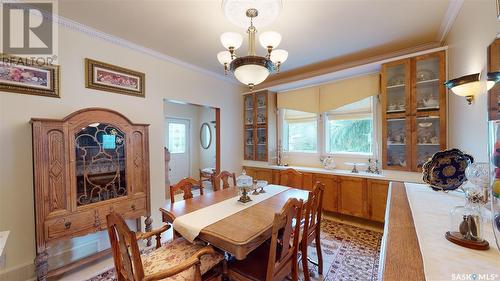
{"points": [[251, 74], [279, 56], [468, 85], [270, 39], [231, 40], [224, 57], [251, 70]]}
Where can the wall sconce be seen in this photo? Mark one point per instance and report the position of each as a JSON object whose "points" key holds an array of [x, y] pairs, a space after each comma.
{"points": [[471, 85]]}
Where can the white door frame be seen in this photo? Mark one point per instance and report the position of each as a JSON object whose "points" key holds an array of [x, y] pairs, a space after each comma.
{"points": [[188, 145]]}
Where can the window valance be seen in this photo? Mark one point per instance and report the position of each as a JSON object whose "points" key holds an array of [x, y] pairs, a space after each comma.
{"points": [[330, 96]]}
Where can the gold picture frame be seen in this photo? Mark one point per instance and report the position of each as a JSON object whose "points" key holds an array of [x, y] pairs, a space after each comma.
{"points": [[111, 78], [28, 76]]}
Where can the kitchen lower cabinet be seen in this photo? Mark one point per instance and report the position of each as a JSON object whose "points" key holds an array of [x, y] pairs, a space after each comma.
{"points": [[377, 199], [353, 197], [348, 195], [331, 193]]}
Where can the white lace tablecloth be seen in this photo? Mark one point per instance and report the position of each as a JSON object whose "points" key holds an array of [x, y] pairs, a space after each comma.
{"points": [[190, 225], [442, 259]]}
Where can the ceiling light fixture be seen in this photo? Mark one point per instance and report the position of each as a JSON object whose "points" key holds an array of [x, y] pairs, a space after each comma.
{"points": [[252, 69], [471, 85]]}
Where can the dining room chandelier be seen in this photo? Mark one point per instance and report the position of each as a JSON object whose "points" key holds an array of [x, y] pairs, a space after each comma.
{"points": [[251, 69]]}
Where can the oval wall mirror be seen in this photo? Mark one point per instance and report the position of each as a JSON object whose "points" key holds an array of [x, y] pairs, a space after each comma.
{"points": [[205, 135]]}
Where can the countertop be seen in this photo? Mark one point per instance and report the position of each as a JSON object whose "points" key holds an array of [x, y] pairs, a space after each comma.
{"points": [[386, 174]]}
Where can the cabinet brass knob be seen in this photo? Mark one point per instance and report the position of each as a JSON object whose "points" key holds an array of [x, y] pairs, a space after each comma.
{"points": [[67, 225], [133, 207]]}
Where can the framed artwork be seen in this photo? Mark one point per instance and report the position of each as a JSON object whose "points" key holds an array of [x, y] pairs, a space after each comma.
{"points": [[26, 76], [111, 78], [498, 9]]}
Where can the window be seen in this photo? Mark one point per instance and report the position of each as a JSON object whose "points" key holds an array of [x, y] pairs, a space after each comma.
{"points": [[177, 138], [349, 129], [300, 131]]}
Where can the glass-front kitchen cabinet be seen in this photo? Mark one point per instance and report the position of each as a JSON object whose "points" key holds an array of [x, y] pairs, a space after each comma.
{"points": [[413, 100], [259, 121]]}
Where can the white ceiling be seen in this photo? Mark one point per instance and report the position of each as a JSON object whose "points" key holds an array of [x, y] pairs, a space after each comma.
{"points": [[312, 31]]}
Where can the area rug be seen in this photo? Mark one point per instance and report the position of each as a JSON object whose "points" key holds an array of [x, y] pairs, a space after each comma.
{"points": [[350, 253]]}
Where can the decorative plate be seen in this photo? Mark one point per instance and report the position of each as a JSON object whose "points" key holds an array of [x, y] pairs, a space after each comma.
{"points": [[446, 169]]}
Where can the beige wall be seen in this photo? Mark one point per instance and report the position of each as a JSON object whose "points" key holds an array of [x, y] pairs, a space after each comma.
{"points": [[163, 80], [192, 113], [474, 29]]}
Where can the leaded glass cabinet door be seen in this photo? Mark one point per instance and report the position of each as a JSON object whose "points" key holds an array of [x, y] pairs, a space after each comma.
{"points": [[261, 139], [395, 101], [100, 157]]}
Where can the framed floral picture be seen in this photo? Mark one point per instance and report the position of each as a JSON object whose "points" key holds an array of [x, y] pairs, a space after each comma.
{"points": [[111, 78], [28, 76]]}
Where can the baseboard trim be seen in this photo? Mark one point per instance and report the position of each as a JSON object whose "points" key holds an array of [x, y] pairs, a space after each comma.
{"points": [[24, 272]]}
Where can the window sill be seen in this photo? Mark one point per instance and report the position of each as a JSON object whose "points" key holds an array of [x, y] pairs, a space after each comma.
{"points": [[351, 155]]}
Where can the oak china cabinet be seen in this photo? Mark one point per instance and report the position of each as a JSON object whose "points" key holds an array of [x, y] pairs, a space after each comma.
{"points": [[93, 162], [259, 118], [413, 101]]}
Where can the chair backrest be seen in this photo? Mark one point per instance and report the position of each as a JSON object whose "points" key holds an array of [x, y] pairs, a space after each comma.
{"points": [[284, 245], [291, 177], [225, 176], [314, 206], [126, 255], [186, 185]]}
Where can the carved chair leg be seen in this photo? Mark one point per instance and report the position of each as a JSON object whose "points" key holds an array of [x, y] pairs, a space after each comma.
{"points": [[42, 266], [319, 253], [148, 227], [305, 265]]}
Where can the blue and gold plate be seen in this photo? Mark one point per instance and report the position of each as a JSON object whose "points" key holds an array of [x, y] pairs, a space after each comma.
{"points": [[446, 169]]}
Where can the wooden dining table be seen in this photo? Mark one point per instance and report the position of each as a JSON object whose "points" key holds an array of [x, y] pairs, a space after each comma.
{"points": [[240, 233]]}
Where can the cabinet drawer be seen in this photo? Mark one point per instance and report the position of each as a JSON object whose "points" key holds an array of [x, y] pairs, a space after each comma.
{"points": [[69, 225], [131, 208]]}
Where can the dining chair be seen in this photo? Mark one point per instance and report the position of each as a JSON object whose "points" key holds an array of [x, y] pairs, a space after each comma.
{"points": [[225, 177], [186, 185], [311, 229], [291, 177], [176, 260], [207, 175], [272, 260]]}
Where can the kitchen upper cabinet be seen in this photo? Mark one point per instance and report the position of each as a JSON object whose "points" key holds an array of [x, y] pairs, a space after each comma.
{"points": [[377, 199], [413, 100], [259, 125], [353, 196], [331, 193]]}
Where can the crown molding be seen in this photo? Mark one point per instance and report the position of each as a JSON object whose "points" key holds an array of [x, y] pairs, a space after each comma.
{"points": [[82, 28], [451, 14]]}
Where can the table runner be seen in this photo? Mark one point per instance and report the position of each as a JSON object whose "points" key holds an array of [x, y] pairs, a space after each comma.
{"points": [[190, 225], [442, 259]]}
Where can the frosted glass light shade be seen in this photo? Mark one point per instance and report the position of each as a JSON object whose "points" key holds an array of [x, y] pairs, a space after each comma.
{"points": [[251, 74], [469, 89], [224, 57], [279, 56], [231, 39], [270, 39]]}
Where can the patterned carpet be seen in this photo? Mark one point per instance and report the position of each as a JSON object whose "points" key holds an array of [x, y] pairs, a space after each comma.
{"points": [[350, 253]]}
